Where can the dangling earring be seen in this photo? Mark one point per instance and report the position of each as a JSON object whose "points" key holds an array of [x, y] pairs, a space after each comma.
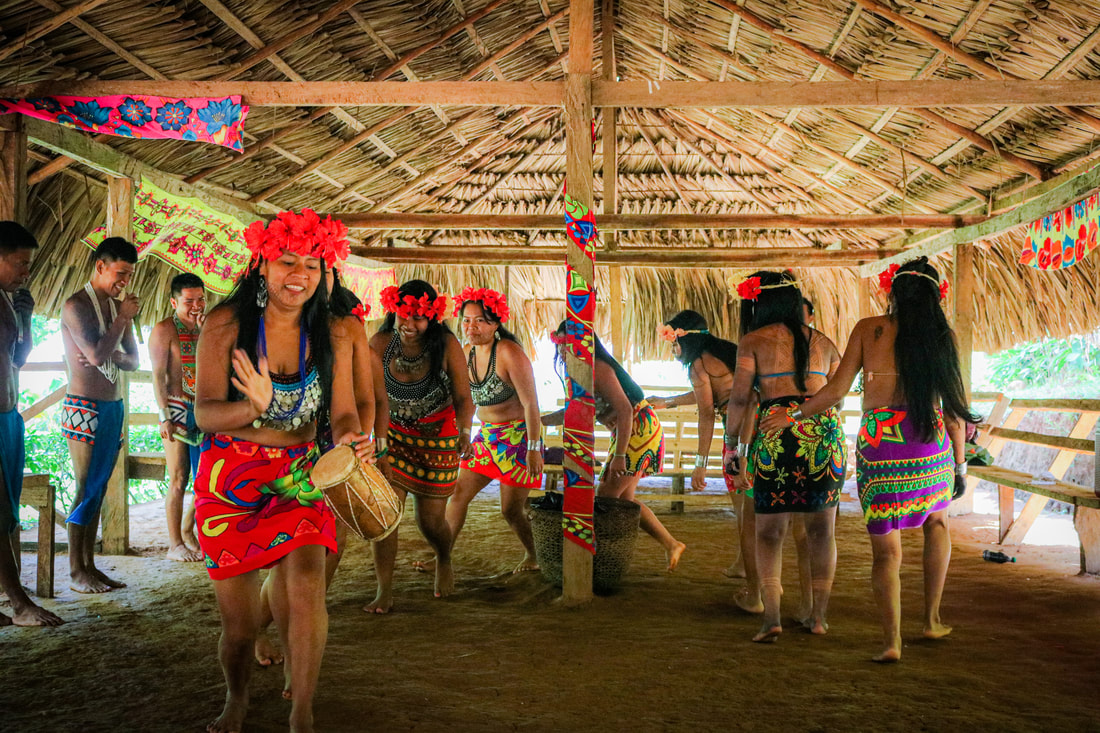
{"points": [[261, 293], [496, 335]]}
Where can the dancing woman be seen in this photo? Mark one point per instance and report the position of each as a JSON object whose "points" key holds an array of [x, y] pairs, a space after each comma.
{"points": [[429, 422], [800, 470], [270, 363], [637, 440], [508, 446], [910, 452]]}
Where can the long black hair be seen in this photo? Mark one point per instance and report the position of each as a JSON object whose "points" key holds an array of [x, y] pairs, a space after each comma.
{"points": [[491, 317], [314, 319], [694, 345], [435, 337], [925, 351], [779, 305], [341, 301], [631, 389]]}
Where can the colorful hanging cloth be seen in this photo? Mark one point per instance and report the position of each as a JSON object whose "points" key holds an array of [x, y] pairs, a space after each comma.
{"points": [[1063, 238], [217, 121]]}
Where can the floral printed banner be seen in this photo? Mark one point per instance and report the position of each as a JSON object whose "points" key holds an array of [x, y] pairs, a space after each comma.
{"points": [[367, 281], [1063, 238], [217, 121], [187, 235]]}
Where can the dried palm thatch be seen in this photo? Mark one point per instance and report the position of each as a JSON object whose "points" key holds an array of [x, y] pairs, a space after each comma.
{"points": [[837, 161]]}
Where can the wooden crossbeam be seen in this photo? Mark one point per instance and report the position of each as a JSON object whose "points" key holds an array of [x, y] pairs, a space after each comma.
{"points": [[650, 222], [641, 94], [756, 257]]}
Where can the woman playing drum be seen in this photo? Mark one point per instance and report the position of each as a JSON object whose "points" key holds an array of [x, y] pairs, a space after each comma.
{"points": [[270, 362], [507, 448], [429, 427], [637, 440], [910, 452]]}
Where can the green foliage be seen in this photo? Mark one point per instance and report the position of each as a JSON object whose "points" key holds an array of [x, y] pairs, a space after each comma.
{"points": [[42, 328], [1050, 367]]}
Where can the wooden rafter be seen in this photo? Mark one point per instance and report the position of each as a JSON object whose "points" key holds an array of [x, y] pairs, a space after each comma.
{"points": [[984, 143], [681, 199], [653, 222]]}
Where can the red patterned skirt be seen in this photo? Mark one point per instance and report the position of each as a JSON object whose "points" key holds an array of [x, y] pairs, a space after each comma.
{"points": [[254, 504], [424, 455]]}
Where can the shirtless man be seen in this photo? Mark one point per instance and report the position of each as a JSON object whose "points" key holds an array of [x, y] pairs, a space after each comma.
{"points": [[172, 347], [16, 246], [99, 342]]}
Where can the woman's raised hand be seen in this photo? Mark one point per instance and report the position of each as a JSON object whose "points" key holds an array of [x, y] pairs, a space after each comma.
{"points": [[362, 444], [255, 384]]}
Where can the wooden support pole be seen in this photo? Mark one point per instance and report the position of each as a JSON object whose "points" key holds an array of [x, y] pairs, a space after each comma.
{"points": [[963, 283], [116, 503], [616, 295], [577, 560], [13, 169]]}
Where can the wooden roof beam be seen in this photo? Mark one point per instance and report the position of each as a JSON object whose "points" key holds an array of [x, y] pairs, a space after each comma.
{"points": [[969, 60], [48, 26], [980, 141], [756, 257], [652, 222]]}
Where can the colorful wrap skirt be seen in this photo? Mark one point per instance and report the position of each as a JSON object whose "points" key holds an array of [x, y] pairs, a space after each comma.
{"points": [[255, 504], [500, 452], [901, 478], [424, 455], [800, 469], [645, 449]]}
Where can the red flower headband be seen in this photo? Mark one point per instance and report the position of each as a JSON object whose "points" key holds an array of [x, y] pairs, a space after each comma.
{"points": [[361, 312], [886, 279], [750, 289], [489, 299], [410, 306], [305, 234]]}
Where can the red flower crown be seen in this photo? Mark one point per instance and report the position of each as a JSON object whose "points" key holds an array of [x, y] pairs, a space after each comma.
{"points": [[750, 288], [886, 279], [489, 299], [304, 234], [410, 306]]}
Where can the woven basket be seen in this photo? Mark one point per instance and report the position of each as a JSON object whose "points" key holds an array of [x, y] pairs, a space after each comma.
{"points": [[616, 523]]}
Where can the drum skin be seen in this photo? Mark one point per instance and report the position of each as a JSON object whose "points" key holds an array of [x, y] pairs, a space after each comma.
{"points": [[358, 494]]}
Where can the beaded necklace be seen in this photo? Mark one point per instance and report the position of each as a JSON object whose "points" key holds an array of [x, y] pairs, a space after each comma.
{"points": [[274, 412]]}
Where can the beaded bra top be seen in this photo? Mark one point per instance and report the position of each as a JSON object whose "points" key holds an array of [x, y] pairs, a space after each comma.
{"points": [[412, 401], [189, 342], [288, 390], [492, 390]]}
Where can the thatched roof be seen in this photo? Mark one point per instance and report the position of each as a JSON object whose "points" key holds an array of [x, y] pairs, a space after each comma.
{"points": [[510, 161]]}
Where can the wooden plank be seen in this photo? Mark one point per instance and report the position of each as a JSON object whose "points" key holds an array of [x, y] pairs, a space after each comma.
{"points": [[1055, 405], [1015, 532], [13, 169], [1064, 491], [39, 492], [611, 222], [694, 257], [1060, 197], [1076, 445], [1087, 523], [45, 403], [148, 466]]}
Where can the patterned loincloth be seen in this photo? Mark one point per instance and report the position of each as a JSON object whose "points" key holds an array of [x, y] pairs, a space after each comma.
{"points": [[99, 424], [645, 450], [500, 452], [424, 455]]}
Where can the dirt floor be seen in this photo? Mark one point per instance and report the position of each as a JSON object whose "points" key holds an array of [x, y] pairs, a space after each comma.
{"points": [[666, 652]]}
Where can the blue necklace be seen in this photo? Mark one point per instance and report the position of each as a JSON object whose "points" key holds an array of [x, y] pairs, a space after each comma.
{"points": [[273, 412]]}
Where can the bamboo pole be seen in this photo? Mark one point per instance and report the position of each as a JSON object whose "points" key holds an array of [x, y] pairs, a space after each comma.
{"points": [[13, 169], [116, 504]]}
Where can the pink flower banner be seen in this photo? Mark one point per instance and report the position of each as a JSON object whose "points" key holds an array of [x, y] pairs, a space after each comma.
{"points": [[1064, 238], [217, 121], [367, 279]]}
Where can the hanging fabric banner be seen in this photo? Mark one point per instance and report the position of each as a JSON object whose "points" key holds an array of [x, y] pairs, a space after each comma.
{"points": [[1063, 238], [367, 278], [187, 235], [217, 121]]}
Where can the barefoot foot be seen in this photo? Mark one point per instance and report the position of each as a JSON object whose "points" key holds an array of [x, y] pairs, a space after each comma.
{"points": [[266, 652], [817, 626], [936, 631], [889, 656], [675, 554], [768, 634], [444, 579], [33, 615], [423, 566], [382, 603], [749, 602], [232, 718], [526, 565], [109, 581], [183, 553], [87, 583], [736, 570]]}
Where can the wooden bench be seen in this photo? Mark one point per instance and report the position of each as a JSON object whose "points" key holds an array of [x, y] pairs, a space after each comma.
{"points": [[1085, 501], [680, 425], [147, 466], [38, 493]]}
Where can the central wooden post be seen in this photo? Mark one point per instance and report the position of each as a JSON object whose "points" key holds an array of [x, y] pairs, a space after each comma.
{"points": [[963, 299], [13, 169], [116, 503], [576, 559]]}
